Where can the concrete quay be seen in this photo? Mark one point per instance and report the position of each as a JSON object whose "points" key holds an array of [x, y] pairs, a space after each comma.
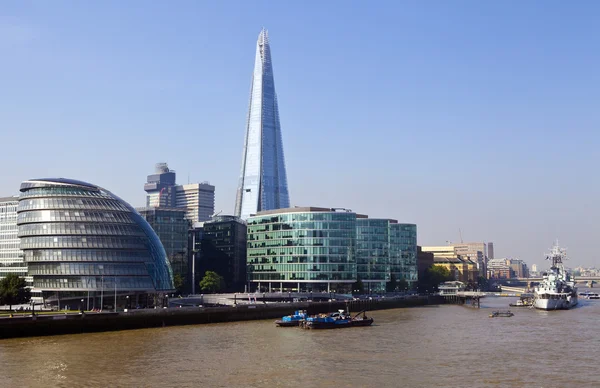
{"points": [[42, 325]]}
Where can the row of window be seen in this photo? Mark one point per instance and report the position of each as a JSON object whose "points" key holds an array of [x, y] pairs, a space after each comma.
{"points": [[86, 255], [71, 203], [130, 269], [141, 283], [295, 217], [58, 215], [82, 242], [79, 229], [62, 192], [302, 276], [302, 225]]}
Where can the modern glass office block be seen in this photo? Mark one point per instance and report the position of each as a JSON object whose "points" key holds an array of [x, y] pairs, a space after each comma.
{"points": [[306, 249], [263, 180]]}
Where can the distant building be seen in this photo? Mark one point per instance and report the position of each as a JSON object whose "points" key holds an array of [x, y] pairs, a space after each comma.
{"points": [[159, 187], [197, 198], [490, 250], [534, 268], [11, 256], [461, 268], [171, 227], [474, 251], [223, 250]]}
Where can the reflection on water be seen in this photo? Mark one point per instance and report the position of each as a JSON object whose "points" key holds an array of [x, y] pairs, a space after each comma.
{"points": [[450, 346]]}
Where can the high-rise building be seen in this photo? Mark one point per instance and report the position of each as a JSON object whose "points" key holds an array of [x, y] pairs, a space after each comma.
{"points": [[197, 198], [490, 250], [159, 187], [171, 227], [263, 180], [81, 241], [11, 256]]}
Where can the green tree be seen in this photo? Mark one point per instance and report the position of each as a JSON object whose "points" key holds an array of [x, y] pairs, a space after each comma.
{"points": [[358, 286], [392, 285], [178, 283], [212, 282], [13, 290], [433, 276]]}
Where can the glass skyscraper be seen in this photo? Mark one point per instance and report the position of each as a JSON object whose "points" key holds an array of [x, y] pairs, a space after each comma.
{"points": [[263, 180]]}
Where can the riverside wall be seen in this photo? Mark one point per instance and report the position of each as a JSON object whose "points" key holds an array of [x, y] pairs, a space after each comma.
{"points": [[42, 325]]}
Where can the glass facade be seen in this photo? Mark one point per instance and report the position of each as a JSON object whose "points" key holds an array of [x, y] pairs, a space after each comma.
{"points": [[263, 179], [321, 249], [171, 227], [310, 250], [385, 247], [79, 237]]}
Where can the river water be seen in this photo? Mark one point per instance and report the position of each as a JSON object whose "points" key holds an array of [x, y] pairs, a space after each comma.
{"points": [[434, 346]]}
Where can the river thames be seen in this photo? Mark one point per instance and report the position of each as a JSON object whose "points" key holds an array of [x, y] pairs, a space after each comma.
{"points": [[434, 346]]}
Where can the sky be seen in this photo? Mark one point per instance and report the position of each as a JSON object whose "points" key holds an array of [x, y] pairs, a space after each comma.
{"points": [[468, 118]]}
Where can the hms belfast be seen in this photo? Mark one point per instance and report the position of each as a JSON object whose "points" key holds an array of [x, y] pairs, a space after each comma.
{"points": [[557, 290]]}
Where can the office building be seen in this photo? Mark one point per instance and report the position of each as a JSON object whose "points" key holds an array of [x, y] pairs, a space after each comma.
{"points": [[328, 249], [222, 249], [198, 199], [424, 261], [80, 240], [171, 227], [159, 187], [263, 180], [461, 268], [11, 256], [385, 247]]}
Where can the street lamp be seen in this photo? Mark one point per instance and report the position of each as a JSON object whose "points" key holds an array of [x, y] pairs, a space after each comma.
{"points": [[81, 307], [101, 268], [128, 305]]}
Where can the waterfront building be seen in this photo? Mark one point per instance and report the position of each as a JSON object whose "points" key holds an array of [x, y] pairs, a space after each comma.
{"points": [[385, 248], [302, 249], [474, 251], [263, 180], [424, 261], [223, 250], [171, 227], [81, 241], [499, 269], [461, 268], [325, 249], [198, 199]]}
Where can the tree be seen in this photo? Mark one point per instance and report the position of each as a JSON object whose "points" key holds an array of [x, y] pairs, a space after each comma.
{"points": [[212, 282], [392, 285], [433, 276], [178, 283], [358, 286], [13, 290]]}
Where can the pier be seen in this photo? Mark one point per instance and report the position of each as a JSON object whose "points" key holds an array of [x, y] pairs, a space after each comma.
{"points": [[470, 298]]}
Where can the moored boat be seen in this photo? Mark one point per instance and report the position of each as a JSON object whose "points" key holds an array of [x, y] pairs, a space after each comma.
{"points": [[557, 291], [292, 320], [337, 320], [497, 314]]}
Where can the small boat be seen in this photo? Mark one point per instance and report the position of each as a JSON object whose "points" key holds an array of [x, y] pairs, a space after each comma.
{"points": [[337, 320], [497, 314], [523, 302], [589, 295], [292, 320]]}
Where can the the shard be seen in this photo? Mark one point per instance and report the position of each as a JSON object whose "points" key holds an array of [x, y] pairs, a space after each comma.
{"points": [[263, 180]]}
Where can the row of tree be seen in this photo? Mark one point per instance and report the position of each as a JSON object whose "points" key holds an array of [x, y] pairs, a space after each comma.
{"points": [[211, 282]]}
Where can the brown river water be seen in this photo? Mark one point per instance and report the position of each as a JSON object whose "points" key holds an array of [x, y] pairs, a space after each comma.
{"points": [[434, 346]]}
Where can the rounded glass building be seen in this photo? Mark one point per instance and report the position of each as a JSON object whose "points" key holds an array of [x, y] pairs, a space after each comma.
{"points": [[79, 239]]}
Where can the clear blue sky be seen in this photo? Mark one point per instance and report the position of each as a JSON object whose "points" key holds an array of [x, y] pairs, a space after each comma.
{"points": [[482, 116]]}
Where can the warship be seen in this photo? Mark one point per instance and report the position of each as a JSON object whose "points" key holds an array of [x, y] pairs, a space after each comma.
{"points": [[557, 290]]}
